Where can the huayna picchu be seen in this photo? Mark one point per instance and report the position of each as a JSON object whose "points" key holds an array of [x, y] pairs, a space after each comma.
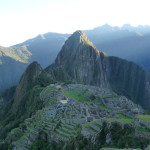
{"points": [[86, 100]]}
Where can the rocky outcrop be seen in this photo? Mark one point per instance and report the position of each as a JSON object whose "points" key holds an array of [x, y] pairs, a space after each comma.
{"points": [[81, 62], [129, 79]]}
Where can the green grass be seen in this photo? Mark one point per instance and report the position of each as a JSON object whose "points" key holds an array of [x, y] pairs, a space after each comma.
{"points": [[86, 125], [94, 130], [119, 120], [61, 129], [98, 99], [21, 54], [75, 95], [62, 135], [144, 117], [148, 147], [67, 128], [122, 116], [108, 96], [104, 107]]}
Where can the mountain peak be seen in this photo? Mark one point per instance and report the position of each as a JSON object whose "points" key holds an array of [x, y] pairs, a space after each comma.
{"points": [[79, 37], [28, 77], [78, 32], [76, 46], [79, 58]]}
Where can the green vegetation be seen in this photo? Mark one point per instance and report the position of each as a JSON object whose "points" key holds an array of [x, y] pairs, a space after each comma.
{"points": [[119, 120], [86, 125], [41, 145], [144, 117], [108, 97], [148, 148], [44, 80], [75, 95], [21, 54], [48, 95], [104, 107], [23, 108], [63, 135], [96, 124], [128, 140], [111, 149], [61, 129], [92, 97], [143, 129], [122, 116]]}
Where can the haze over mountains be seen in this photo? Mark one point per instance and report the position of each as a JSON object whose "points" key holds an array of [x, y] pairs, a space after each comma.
{"points": [[84, 99], [131, 43], [15, 59]]}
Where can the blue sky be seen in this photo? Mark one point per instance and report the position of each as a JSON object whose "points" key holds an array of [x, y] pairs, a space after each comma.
{"points": [[24, 19]]}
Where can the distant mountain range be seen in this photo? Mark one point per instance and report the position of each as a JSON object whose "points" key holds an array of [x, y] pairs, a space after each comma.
{"points": [[15, 59], [131, 43], [127, 42]]}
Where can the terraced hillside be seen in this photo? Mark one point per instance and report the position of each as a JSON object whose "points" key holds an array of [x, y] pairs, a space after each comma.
{"points": [[76, 114]]}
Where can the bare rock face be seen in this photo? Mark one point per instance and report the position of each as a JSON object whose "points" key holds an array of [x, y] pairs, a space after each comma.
{"points": [[81, 62], [129, 79]]}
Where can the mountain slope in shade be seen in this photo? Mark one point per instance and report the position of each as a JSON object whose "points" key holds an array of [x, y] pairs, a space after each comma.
{"points": [[15, 59], [127, 42], [10, 72], [48, 113], [27, 79], [80, 59], [81, 62], [129, 79]]}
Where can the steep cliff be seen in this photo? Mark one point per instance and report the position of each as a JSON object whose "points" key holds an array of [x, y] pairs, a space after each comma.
{"points": [[81, 62], [129, 79], [100, 115]]}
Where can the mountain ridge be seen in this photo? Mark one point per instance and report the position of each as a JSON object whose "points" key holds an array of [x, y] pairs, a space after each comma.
{"points": [[79, 58], [127, 42], [95, 68], [91, 112]]}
